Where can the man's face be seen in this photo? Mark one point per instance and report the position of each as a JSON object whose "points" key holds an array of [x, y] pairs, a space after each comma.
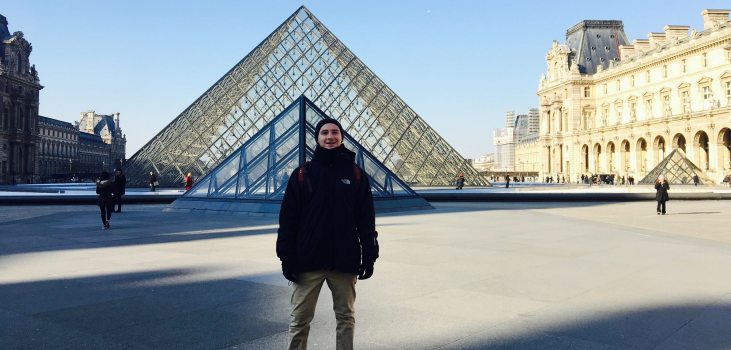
{"points": [[329, 136], [151, 173]]}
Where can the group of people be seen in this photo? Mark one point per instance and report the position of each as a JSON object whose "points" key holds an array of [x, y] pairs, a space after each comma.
{"points": [[110, 194]]}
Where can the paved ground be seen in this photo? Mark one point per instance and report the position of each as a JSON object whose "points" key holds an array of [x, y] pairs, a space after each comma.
{"points": [[464, 276]]}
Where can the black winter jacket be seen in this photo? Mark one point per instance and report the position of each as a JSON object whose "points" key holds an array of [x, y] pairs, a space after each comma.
{"points": [[327, 223], [662, 191], [119, 184], [105, 189]]}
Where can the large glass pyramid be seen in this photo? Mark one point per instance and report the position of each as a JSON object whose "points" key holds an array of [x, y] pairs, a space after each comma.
{"points": [[301, 57], [259, 170], [678, 169]]}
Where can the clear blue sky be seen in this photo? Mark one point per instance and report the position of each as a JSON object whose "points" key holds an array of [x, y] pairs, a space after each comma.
{"points": [[459, 64]]}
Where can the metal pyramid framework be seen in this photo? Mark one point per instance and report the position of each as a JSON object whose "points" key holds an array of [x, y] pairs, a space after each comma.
{"points": [[257, 173], [301, 57], [678, 169]]}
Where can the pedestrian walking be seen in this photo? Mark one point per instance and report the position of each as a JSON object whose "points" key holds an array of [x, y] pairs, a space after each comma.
{"points": [[153, 181], [105, 190], [327, 233], [507, 180], [662, 187], [188, 182], [695, 180], [460, 181], [120, 182]]}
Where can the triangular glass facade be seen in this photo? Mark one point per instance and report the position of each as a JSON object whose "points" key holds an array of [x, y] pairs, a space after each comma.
{"points": [[261, 167], [301, 57], [678, 169]]}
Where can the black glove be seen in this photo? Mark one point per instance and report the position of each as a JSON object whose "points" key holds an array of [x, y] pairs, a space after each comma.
{"points": [[289, 270], [366, 270]]}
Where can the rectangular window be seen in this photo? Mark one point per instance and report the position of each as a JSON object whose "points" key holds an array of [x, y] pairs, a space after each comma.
{"points": [[705, 60], [619, 88], [686, 102], [728, 91], [684, 66], [647, 76], [587, 115], [632, 81], [605, 89], [706, 93], [587, 91]]}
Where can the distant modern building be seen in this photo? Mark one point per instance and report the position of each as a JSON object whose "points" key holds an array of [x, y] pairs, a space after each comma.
{"points": [[519, 129], [59, 143], [608, 106], [102, 145], [19, 87]]}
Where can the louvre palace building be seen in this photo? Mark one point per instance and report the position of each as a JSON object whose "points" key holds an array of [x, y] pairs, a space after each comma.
{"points": [[611, 106], [19, 87]]}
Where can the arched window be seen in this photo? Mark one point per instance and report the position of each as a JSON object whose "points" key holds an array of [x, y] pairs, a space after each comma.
{"points": [[18, 65]]}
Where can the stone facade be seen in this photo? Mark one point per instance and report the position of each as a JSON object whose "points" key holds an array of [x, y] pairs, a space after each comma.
{"points": [[527, 155], [58, 150], [102, 145], [19, 87], [607, 107]]}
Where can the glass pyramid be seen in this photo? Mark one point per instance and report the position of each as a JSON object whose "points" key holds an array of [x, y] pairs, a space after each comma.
{"points": [[261, 167], [301, 57], [678, 169]]}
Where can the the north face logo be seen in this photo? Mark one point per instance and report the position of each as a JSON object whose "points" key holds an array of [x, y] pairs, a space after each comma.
{"points": [[346, 181]]}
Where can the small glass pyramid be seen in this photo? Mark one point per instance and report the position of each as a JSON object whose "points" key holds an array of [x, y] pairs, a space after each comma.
{"points": [[678, 170], [261, 167]]}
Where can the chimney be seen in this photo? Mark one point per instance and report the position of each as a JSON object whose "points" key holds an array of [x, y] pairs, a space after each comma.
{"points": [[676, 32], [711, 17], [116, 120], [626, 51], [641, 44], [655, 39], [90, 122]]}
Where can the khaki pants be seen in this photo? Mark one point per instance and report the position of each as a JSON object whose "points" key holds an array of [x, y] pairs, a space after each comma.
{"points": [[304, 300]]}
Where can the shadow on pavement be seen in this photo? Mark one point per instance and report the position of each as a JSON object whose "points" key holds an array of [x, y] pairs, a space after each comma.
{"points": [[169, 309], [181, 309]]}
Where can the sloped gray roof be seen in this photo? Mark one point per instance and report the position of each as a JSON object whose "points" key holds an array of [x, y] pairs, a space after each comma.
{"points": [[595, 43]]}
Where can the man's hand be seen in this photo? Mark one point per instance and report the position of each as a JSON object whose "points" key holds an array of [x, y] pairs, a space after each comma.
{"points": [[366, 270], [289, 270]]}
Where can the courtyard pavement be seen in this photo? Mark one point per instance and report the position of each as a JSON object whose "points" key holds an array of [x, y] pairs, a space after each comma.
{"points": [[463, 276]]}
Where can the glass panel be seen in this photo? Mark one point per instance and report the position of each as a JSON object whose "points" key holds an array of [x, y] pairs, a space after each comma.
{"points": [[287, 145], [255, 171], [398, 190], [228, 192], [243, 184], [286, 122], [226, 171], [374, 171], [279, 177], [200, 190], [255, 148], [258, 190]]}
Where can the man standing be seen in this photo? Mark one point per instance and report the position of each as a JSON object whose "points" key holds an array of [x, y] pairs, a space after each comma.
{"points": [[153, 181], [327, 219], [695, 180], [120, 181], [507, 180]]}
